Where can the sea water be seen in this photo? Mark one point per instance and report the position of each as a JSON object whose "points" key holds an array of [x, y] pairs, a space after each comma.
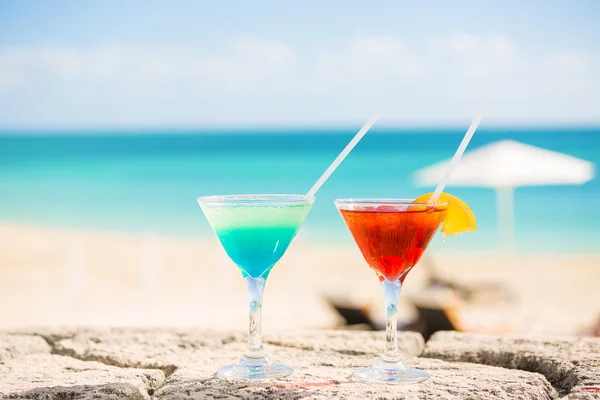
{"points": [[148, 181]]}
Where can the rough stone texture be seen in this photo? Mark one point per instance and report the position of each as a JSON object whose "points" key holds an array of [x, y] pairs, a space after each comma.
{"points": [[13, 346], [181, 364], [169, 349], [109, 391], [316, 378], [348, 342], [42, 376], [571, 364], [125, 363]]}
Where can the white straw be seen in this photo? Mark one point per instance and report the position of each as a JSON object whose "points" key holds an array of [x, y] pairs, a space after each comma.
{"points": [[457, 156], [343, 155]]}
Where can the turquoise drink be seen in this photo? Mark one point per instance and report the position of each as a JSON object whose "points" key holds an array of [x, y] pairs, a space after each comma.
{"points": [[256, 237], [255, 231]]}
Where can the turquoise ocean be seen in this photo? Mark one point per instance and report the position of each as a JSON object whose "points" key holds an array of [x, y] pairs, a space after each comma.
{"points": [[147, 181]]}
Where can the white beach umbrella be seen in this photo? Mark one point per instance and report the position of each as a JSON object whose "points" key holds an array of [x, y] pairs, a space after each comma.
{"points": [[505, 165]]}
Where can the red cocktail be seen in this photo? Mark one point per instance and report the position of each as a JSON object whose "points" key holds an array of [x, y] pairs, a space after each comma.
{"points": [[392, 235], [393, 238]]}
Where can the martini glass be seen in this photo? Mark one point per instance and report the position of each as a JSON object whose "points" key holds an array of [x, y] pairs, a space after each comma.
{"points": [[392, 235], [255, 231]]}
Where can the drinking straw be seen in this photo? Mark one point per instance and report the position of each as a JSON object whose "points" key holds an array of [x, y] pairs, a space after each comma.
{"points": [[457, 156], [343, 155]]}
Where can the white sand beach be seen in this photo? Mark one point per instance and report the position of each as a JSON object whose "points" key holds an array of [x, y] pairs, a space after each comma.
{"points": [[54, 276]]}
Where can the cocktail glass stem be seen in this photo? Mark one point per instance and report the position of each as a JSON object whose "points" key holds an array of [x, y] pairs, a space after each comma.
{"points": [[390, 367], [255, 364], [255, 288], [391, 292]]}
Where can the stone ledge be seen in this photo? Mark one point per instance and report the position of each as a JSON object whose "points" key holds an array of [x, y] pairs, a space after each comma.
{"points": [[174, 364], [50, 376], [319, 380], [15, 346], [571, 364]]}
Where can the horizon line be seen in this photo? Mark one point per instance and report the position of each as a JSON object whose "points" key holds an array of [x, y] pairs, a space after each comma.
{"points": [[271, 129]]}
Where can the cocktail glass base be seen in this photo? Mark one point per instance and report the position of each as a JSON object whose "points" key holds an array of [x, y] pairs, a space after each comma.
{"points": [[255, 369], [389, 372]]}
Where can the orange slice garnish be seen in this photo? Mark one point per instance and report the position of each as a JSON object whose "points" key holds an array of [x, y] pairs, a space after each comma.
{"points": [[459, 218]]}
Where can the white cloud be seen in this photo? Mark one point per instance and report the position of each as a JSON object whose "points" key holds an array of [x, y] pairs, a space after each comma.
{"points": [[444, 78], [247, 61], [370, 58], [477, 57]]}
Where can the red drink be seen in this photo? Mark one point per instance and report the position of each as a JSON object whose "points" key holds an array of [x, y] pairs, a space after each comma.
{"points": [[392, 235], [393, 238]]}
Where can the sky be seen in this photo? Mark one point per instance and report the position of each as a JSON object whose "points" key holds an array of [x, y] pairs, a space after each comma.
{"points": [[148, 64]]}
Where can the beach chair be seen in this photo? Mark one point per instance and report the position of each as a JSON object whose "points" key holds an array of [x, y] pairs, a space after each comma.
{"points": [[429, 319], [432, 316], [473, 292]]}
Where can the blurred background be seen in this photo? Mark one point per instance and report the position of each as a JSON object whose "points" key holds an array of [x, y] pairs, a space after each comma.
{"points": [[115, 116]]}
